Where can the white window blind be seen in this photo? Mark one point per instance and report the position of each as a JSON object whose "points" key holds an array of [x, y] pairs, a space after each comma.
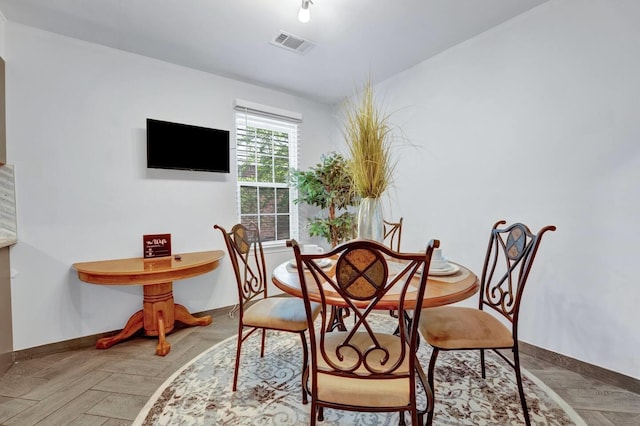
{"points": [[266, 149]]}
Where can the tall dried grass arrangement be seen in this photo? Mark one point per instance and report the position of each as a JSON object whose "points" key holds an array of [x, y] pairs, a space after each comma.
{"points": [[368, 137]]}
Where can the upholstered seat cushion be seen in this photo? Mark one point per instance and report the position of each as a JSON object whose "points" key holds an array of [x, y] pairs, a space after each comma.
{"points": [[369, 392], [279, 313], [453, 327]]}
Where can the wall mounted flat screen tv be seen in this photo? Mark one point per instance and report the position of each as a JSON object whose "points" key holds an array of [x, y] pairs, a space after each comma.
{"points": [[186, 147]]}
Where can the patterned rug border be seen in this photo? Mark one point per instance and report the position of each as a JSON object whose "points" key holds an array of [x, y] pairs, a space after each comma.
{"points": [[573, 414], [142, 415], [144, 412]]}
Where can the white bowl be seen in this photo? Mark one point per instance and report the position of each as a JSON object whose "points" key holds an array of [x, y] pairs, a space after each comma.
{"points": [[439, 263]]}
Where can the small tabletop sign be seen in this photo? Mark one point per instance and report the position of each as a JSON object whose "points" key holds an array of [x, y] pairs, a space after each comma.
{"points": [[156, 245]]}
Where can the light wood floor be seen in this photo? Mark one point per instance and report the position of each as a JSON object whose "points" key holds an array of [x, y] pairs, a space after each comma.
{"points": [[109, 387]]}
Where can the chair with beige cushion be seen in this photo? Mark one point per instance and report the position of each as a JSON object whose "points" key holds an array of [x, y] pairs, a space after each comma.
{"points": [[507, 265], [256, 310], [365, 368]]}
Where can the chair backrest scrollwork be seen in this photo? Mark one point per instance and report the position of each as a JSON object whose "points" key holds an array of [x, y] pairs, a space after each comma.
{"points": [[507, 265], [363, 273], [247, 258], [393, 234]]}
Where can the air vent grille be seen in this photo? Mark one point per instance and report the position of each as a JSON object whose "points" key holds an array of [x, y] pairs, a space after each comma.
{"points": [[292, 42]]}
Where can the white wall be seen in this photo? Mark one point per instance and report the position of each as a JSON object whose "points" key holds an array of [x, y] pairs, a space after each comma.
{"points": [[76, 134], [533, 121], [537, 121], [3, 23]]}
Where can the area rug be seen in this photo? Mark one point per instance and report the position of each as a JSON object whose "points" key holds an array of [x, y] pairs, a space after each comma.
{"points": [[269, 390]]}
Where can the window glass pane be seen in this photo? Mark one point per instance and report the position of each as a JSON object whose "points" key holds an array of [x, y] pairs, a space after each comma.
{"points": [[265, 169], [248, 200], [248, 220], [282, 200], [281, 144], [264, 141], [283, 227], [246, 162], [247, 172], [243, 139], [267, 201], [268, 228], [281, 169]]}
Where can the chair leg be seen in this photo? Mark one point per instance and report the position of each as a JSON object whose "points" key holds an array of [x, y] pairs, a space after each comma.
{"points": [[523, 401], [238, 350], [264, 336], [416, 419], [314, 413], [427, 390], [484, 376], [401, 416], [320, 414], [432, 364], [305, 367]]}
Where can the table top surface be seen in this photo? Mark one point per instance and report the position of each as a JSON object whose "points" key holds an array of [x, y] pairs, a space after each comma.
{"points": [[441, 290], [140, 271]]}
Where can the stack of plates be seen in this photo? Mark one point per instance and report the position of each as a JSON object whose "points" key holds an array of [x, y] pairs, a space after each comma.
{"points": [[447, 269], [323, 263]]}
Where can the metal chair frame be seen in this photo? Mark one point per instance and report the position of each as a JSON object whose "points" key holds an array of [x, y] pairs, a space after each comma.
{"points": [[247, 257], [392, 237], [393, 234], [361, 279], [507, 264]]}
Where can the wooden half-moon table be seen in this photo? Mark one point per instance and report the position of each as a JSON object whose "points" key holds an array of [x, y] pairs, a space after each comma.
{"points": [[159, 312]]}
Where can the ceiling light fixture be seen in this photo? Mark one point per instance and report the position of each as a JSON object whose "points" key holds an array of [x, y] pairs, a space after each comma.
{"points": [[304, 15]]}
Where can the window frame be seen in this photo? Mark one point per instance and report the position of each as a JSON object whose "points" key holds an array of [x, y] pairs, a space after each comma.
{"points": [[251, 115]]}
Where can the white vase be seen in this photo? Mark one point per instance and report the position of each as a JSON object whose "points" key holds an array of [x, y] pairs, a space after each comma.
{"points": [[370, 221]]}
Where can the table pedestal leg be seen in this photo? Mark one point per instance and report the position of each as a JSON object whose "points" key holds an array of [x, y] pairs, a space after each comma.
{"points": [[157, 317], [133, 325], [163, 346], [184, 316]]}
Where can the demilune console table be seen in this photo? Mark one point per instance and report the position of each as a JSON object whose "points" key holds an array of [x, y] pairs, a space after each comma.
{"points": [[156, 275]]}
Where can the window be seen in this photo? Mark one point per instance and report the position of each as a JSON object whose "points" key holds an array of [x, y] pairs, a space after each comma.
{"points": [[266, 149]]}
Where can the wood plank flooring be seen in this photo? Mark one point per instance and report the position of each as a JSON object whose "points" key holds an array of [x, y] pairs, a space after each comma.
{"points": [[109, 387]]}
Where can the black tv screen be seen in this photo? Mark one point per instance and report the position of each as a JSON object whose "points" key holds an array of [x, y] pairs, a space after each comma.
{"points": [[186, 147]]}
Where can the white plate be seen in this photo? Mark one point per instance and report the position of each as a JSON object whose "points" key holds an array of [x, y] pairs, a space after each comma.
{"points": [[450, 269], [323, 263]]}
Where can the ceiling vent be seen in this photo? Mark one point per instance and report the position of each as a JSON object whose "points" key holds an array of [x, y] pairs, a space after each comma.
{"points": [[292, 42]]}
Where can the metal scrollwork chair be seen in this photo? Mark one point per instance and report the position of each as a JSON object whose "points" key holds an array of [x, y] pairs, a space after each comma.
{"points": [[256, 310], [392, 234], [364, 368], [507, 265]]}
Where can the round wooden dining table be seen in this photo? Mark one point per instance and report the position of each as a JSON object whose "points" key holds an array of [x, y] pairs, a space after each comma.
{"points": [[441, 289]]}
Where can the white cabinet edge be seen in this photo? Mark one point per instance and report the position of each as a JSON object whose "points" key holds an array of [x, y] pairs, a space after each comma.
{"points": [[8, 223]]}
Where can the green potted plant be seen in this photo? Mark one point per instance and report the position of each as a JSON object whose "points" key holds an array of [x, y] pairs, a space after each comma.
{"points": [[368, 137], [329, 186]]}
